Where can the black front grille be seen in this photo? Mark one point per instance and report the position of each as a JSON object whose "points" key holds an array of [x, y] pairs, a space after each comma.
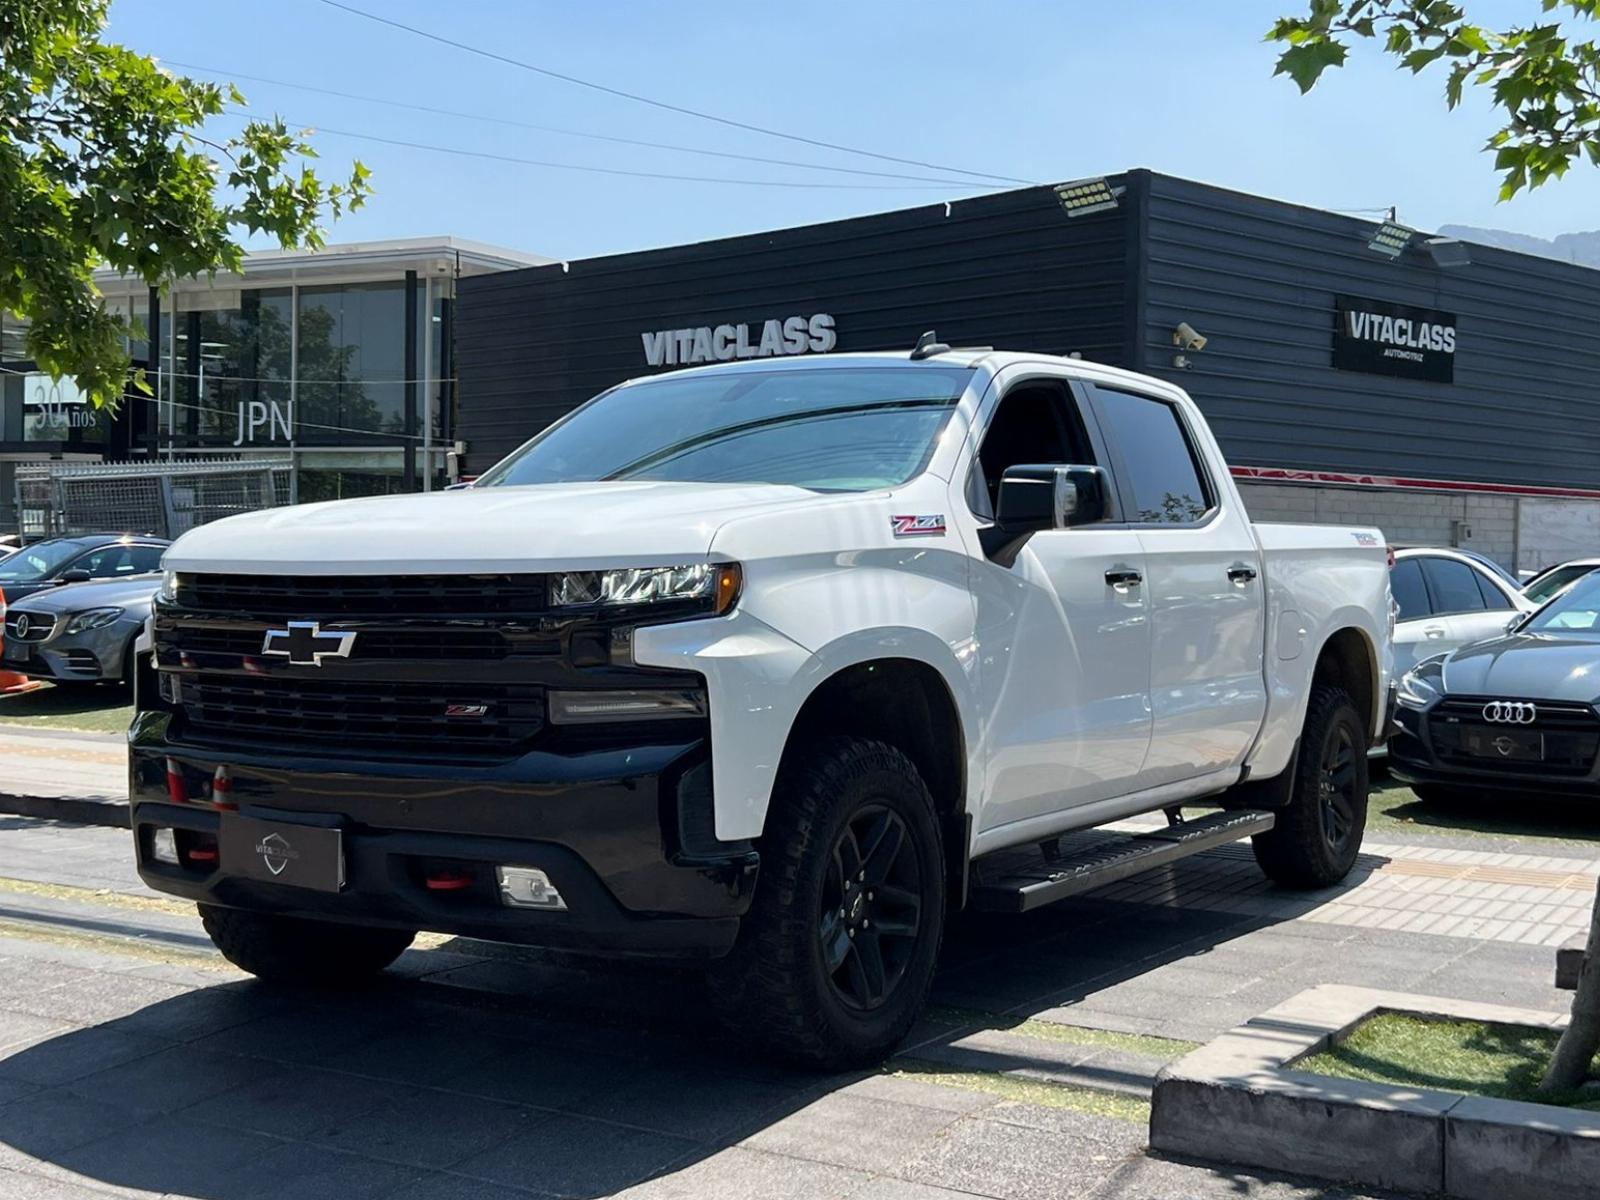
{"points": [[449, 720], [39, 625], [174, 640], [1570, 735], [425, 596]]}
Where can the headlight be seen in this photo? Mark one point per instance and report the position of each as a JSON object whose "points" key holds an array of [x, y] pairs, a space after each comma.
{"points": [[714, 585], [1422, 685], [169, 586], [94, 618]]}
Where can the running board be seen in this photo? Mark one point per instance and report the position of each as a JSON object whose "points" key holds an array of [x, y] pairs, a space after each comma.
{"points": [[1015, 881]]}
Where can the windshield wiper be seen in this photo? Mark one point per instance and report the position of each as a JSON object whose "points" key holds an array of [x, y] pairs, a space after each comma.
{"points": [[667, 453]]}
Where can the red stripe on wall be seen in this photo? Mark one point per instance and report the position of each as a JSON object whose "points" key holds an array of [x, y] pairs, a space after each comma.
{"points": [[1403, 483]]}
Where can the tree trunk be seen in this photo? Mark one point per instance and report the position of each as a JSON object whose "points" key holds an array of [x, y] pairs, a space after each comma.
{"points": [[1576, 1050]]}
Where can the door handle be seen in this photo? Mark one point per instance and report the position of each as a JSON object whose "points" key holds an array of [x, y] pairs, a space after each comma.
{"points": [[1241, 573], [1123, 577], [1433, 631]]}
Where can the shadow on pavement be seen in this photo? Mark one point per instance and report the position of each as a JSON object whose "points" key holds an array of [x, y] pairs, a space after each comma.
{"points": [[461, 1073]]}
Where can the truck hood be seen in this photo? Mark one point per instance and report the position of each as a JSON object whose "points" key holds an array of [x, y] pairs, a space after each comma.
{"points": [[1531, 666], [528, 528]]}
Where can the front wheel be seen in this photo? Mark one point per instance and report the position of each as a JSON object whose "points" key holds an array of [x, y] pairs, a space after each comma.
{"points": [[1317, 836], [835, 958], [294, 951]]}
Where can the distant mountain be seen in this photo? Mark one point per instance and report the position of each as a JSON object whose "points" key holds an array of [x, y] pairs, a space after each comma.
{"points": [[1580, 248]]}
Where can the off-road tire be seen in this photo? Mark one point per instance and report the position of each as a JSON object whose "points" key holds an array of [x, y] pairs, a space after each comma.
{"points": [[775, 989], [308, 953], [1299, 850]]}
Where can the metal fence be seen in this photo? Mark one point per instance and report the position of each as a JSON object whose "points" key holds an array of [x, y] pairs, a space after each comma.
{"points": [[165, 499]]}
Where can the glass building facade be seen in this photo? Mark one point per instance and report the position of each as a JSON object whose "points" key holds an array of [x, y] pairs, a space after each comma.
{"points": [[337, 360]]}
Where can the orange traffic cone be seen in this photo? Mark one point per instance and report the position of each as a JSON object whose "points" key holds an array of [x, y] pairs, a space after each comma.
{"points": [[12, 684]]}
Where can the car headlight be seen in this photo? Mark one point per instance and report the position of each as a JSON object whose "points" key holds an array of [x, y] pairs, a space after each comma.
{"points": [[1422, 685], [168, 590], [94, 618], [715, 586]]}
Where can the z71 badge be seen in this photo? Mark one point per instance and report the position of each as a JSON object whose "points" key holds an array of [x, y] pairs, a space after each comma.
{"points": [[930, 525]]}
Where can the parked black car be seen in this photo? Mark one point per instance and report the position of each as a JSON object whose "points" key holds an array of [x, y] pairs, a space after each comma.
{"points": [[56, 561], [1515, 713]]}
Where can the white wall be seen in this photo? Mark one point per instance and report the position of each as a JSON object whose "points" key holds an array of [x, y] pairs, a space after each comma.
{"points": [[1487, 524]]}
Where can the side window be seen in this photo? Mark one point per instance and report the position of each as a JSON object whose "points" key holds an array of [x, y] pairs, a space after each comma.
{"points": [[144, 559], [1405, 582], [1454, 586], [1493, 597], [96, 562], [1035, 423], [1163, 470]]}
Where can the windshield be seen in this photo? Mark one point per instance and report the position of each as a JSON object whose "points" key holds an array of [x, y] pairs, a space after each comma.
{"points": [[829, 429], [1576, 610], [1553, 580], [36, 562]]}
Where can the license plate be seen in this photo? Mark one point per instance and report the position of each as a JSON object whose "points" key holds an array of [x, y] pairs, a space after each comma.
{"points": [[306, 856], [1506, 745]]}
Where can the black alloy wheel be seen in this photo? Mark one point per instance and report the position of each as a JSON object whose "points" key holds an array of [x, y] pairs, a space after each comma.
{"points": [[871, 909], [1338, 787]]}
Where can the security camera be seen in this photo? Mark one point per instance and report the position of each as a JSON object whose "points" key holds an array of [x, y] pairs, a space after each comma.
{"points": [[1187, 336]]}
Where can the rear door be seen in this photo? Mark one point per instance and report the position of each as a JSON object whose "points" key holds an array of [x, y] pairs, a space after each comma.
{"points": [[1466, 599], [1204, 590], [1417, 632]]}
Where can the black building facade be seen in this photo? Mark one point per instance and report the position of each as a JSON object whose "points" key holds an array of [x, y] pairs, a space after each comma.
{"points": [[1447, 392]]}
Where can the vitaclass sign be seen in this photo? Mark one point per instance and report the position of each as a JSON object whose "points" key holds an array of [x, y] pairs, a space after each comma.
{"points": [[724, 343], [1393, 339]]}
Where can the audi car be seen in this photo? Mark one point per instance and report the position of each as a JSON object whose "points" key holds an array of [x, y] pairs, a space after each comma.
{"points": [[81, 633], [1516, 713]]}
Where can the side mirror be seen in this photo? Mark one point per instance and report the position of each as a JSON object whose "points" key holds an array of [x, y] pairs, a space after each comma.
{"points": [[76, 575], [1037, 498]]}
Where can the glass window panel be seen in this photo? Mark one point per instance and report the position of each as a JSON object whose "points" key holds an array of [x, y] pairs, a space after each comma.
{"points": [[1405, 585], [1454, 588], [1162, 469], [352, 360]]}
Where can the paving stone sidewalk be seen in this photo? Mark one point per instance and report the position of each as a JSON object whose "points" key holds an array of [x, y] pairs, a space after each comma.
{"points": [[134, 1062]]}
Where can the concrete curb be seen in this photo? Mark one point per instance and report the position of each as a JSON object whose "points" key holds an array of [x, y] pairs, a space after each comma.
{"points": [[1239, 1100], [76, 810], [1569, 962]]}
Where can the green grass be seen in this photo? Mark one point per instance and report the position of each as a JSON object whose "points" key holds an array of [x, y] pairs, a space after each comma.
{"points": [[93, 707], [1472, 1057], [1396, 809], [1055, 1031], [1116, 1105]]}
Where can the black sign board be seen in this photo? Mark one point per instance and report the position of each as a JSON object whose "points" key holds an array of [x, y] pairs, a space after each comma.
{"points": [[1393, 339], [307, 856]]}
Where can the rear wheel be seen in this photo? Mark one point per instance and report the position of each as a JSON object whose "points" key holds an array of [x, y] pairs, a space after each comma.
{"points": [[1317, 835], [290, 950], [836, 956]]}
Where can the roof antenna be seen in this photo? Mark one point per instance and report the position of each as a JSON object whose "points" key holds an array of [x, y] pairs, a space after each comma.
{"points": [[927, 346]]}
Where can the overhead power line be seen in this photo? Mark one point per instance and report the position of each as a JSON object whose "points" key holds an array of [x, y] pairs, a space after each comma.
{"points": [[223, 73], [941, 185], [662, 104]]}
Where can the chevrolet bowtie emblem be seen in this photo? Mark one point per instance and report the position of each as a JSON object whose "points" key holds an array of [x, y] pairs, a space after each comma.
{"points": [[305, 645]]}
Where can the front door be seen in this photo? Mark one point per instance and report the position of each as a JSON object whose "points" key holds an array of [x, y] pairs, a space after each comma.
{"points": [[1063, 634]]}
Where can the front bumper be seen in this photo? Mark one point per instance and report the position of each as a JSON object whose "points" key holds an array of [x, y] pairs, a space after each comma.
{"points": [[95, 655], [1413, 760], [619, 831]]}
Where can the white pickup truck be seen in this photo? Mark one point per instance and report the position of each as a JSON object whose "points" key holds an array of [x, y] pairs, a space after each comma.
{"points": [[771, 665]]}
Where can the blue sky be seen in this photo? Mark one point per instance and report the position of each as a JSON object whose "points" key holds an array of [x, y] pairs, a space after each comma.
{"points": [[1044, 91]]}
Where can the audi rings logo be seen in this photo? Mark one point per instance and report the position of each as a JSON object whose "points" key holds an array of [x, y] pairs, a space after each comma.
{"points": [[1510, 712]]}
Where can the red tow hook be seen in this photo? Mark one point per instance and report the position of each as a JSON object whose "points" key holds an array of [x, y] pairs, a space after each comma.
{"points": [[448, 881]]}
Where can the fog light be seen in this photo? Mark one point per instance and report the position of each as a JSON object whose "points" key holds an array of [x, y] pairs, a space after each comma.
{"points": [[587, 708], [525, 887], [164, 847]]}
